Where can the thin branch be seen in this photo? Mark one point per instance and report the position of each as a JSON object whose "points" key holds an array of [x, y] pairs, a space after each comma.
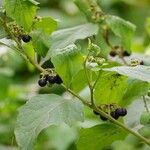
{"points": [[19, 47], [109, 117], [97, 79], [88, 80], [106, 38], [145, 104], [77, 96], [85, 69]]}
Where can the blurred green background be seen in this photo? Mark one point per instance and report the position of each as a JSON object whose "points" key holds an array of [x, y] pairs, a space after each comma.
{"points": [[18, 80]]}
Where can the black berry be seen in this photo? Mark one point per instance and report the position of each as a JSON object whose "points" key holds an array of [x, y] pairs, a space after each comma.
{"points": [[51, 79], [126, 53], [103, 118], [26, 38], [141, 62], [42, 82], [114, 115], [46, 76], [58, 80], [112, 53], [95, 112], [121, 111]]}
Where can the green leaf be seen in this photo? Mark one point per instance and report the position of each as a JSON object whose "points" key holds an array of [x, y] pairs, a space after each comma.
{"points": [[4, 81], [148, 25], [145, 131], [46, 25], [40, 42], [145, 118], [42, 111], [41, 35], [21, 11], [139, 72], [79, 81], [121, 28], [135, 88], [65, 37], [67, 62], [135, 110], [110, 88], [56, 134], [100, 136]]}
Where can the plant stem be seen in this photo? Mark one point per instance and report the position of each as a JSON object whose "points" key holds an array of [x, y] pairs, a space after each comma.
{"points": [[85, 69], [88, 80], [109, 117], [77, 96], [19, 48], [97, 79], [90, 105], [145, 104]]}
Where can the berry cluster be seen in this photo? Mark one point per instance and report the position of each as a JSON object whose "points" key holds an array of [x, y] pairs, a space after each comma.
{"points": [[123, 53], [19, 32], [49, 79], [119, 112], [119, 51], [135, 62]]}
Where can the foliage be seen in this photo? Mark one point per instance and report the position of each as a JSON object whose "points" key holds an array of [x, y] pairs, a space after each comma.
{"points": [[93, 62]]}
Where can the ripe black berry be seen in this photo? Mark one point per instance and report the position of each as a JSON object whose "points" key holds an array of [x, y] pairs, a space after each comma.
{"points": [[112, 53], [126, 53], [103, 118], [95, 112], [114, 115], [141, 62], [121, 111], [51, 79], [42, 82], [26, 38], [58, 80]]}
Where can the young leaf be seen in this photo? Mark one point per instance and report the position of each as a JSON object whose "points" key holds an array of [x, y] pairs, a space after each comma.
{"points": [[139, 72], [65, 37], [110, 88], [21, 11], [46, 25], [99, 137], [42, 111], [121, 28], [68, 62]]}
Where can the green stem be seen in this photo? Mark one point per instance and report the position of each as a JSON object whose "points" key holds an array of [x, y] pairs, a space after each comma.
{"points": [[145, 104], [19, 47], [97, 79], [88, 81], [109, 117], [77, 96]]}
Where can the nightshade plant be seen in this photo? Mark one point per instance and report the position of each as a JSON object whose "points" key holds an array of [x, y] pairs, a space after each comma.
{"points": [[112, 86]]}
